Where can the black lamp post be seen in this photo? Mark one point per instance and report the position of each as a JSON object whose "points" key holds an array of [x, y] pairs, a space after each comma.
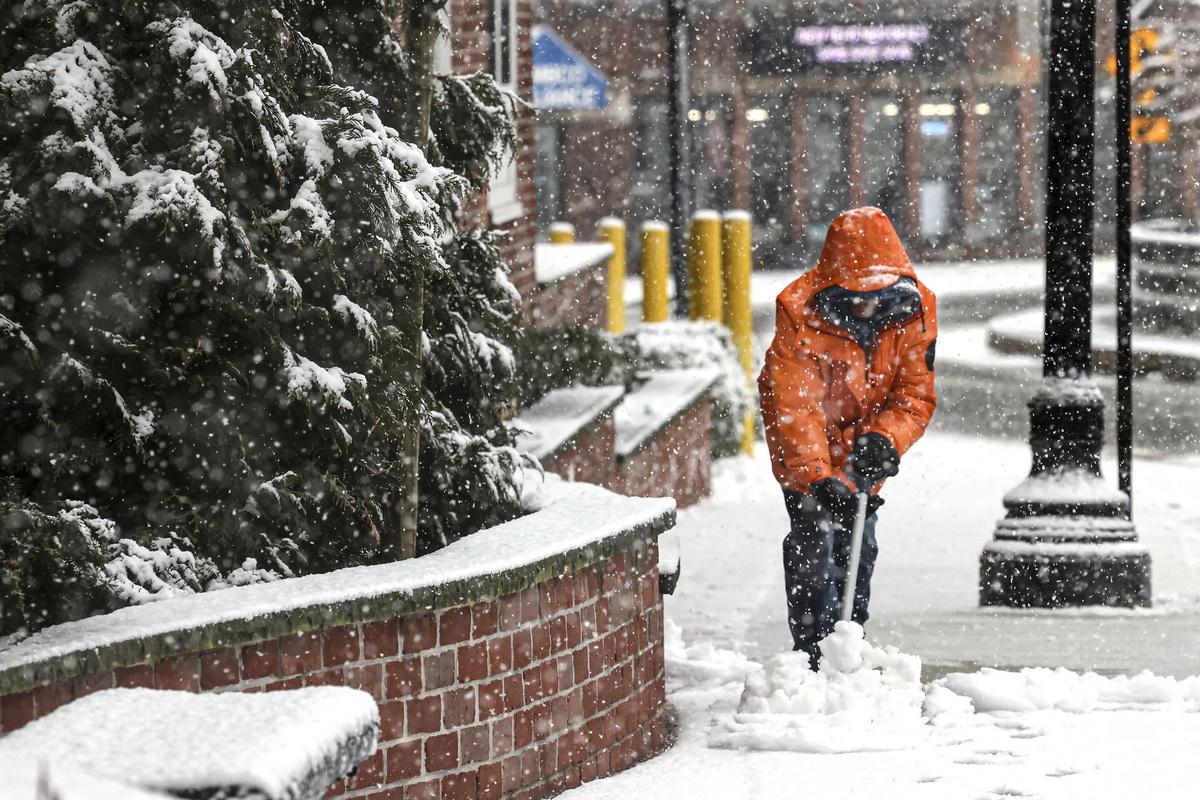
{"points": [[1067, 539], [678, 101]]}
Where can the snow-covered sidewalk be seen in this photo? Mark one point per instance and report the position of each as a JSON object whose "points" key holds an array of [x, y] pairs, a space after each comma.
{"points": [[1075, 737]]}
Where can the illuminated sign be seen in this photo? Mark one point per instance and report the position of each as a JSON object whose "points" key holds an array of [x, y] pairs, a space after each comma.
{"points": [[777, 46], [857, 44]]}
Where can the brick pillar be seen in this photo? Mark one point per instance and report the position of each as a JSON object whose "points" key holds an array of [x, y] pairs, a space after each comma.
{"points": [[970, 164], [741, 149], [855, 150], [912, 159], [799, 169]]}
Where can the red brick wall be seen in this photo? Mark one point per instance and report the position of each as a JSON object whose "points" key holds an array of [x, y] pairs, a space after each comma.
{"points": [[674, 463], [589, 458], [520, 696], [471, 46], [580, 299]]}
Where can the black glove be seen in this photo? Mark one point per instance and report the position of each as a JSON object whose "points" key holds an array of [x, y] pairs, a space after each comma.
{"points": [[834, 497], [874, 458]]}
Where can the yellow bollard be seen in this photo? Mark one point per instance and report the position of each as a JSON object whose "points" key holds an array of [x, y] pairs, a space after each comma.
{"points": [[561, 233], [704, 267], [737, 268], [656, 248], [612, 231]]}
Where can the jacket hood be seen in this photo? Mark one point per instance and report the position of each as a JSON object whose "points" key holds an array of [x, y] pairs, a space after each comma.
{"points": [[862, 253]]}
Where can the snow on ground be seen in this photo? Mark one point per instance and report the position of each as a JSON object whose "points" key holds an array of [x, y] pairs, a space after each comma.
{"points": [[1033, 732]]}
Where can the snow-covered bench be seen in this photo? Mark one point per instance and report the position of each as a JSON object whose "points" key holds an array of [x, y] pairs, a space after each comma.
{"points": [[288, 745]]}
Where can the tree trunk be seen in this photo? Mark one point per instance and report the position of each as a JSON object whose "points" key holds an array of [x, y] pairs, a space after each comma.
{"points": [[420, 35]]}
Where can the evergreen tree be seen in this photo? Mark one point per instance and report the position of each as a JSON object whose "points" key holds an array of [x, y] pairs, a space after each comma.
{"points": [[209, 241], [470, 309]]}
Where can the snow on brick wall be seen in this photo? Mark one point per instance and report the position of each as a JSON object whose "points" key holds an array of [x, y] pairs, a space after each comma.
{"points": [[674, 462], [589, 457], [516, 693], [580, 299]]}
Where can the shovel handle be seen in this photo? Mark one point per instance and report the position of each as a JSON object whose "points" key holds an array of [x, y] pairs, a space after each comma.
{"points": [[856, 540]]}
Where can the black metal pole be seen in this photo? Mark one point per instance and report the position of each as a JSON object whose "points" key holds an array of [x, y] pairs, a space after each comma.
{"points": [[1124, 256], [1064, 540], [677, 109], [1070, 196]]}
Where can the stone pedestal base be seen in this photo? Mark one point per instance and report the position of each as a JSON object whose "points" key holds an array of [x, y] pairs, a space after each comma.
{"points": [[1056, 562]]}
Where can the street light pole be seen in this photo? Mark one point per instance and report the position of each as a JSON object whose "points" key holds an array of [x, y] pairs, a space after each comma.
{"points": [[678, 101], [1124, 287], [1066, 539]]}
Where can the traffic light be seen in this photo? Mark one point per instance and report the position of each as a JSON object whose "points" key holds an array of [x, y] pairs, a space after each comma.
{"points": [[1154, 72]]}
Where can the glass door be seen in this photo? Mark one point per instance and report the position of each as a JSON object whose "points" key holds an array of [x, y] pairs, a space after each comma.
{"points": [[827, 186], [886, 179], [941, 168]]}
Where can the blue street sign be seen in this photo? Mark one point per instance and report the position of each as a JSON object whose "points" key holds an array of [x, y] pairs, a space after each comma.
{"points": [[562, 79]]}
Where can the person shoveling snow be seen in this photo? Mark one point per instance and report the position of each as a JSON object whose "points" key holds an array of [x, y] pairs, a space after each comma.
{"points": [[846, 390]]}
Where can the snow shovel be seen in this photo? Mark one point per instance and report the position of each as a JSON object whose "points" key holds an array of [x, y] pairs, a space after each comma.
{"points": [[856, 542]]}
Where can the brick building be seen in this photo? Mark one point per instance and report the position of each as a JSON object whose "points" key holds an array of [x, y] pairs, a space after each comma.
{"points": [[495, 36], [802, 109]]}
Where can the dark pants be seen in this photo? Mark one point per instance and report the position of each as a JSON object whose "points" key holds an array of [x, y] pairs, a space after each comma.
{"points": [[816, 556]]}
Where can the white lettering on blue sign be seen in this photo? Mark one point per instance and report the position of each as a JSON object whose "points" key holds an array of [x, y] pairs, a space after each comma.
{"points": [[563, 80]]}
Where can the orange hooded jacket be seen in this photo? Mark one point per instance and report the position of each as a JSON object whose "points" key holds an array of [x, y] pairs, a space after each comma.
{"points": [[819, 391]]}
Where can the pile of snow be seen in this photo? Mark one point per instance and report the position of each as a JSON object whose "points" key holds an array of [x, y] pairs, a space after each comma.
{"points": [[278, 745], [701, 665], [870, 699], [1040, 689], [864, 698]]}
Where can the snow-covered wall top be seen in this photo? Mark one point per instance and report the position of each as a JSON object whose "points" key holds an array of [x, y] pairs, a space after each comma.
{"points": [[665, 395], [553, 262], [1165, 231], [552, 422], [575, 525]]}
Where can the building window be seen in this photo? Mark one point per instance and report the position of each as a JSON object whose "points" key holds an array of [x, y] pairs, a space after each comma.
{"points": [[547, 174], [770, 122], [443, 48], [998, 167], [651, 190], [826, 156], [885, 183], [503, 202], [941, 167]]}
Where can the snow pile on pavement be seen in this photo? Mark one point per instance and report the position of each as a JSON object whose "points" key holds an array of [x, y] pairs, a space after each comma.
{"points": [[1041, 689], [864, 698], [702, 665], [869, 699]]}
